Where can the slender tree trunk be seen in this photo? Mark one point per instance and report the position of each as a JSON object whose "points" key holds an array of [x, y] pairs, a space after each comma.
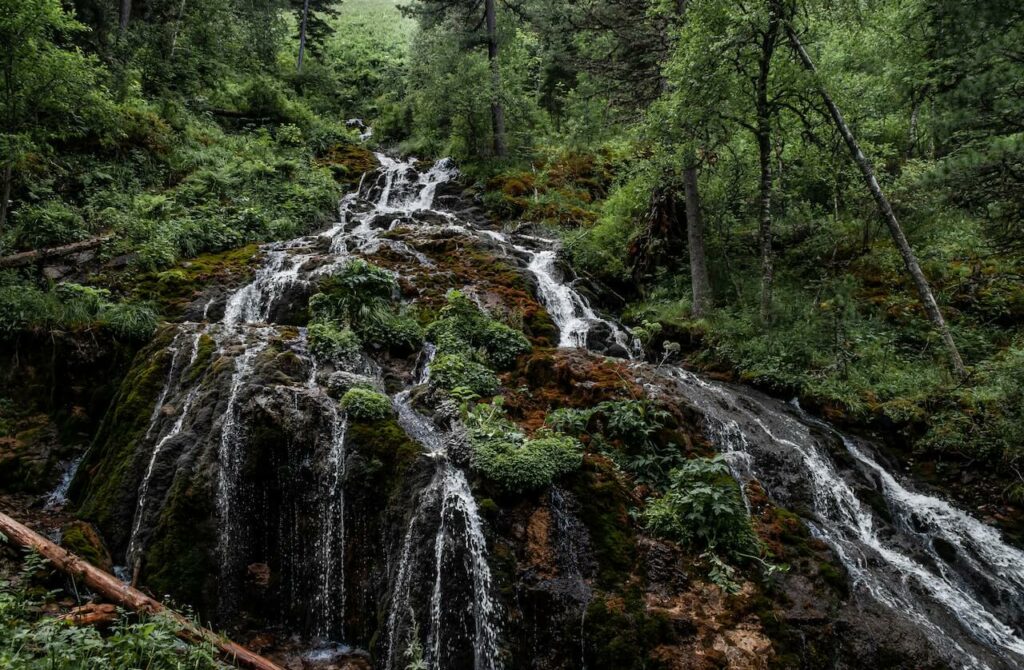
{"points": [[764, 150], [5, 196], [699, 279], [497, 109], [302, 33], [126, 13], [931, 307], [177, 27]]}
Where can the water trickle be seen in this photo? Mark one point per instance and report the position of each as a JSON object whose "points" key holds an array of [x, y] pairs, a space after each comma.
{"points": [[175, 378], [58, 497], [446, 504], [330, 545]]}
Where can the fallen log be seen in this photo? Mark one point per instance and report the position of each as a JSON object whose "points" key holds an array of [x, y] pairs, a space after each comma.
{"points": [[99, 616], [28, 257], [120, 593]]}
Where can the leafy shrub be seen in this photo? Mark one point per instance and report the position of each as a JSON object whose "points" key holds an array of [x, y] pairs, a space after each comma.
{"points": [[50, 223], [366, 405], [625, 431], [462, 326], [131, 321], [358, 296], [329, 343], [703, 506], [25, 307], [504, 455], [394, 332], [30, 640], [453, 371]]}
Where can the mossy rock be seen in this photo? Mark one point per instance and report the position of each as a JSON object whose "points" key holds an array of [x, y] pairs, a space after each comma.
{"points": [[604, 510], [105, 485], [384, 452], [82, 539], [181, 559], [620, 633]]}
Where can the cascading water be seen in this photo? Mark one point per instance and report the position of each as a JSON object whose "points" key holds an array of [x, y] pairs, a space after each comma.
{"points": [[175, 376], [944, 571], [949, 574], [446, 503]]}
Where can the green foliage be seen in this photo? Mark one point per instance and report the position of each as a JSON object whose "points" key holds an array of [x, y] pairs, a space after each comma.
{"points": [[702, 507], [359, 294], [26, 308], [517, 463], [463, 327], [31, 640], [329, 343], [626, 431], [366, 405], [455, 371], [396, 332], [362, 297]]}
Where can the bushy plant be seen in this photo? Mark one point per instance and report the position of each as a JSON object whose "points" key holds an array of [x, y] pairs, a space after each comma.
{"points": [[452, 371], [703, 506], [463, 327], [366, 405], [504, 455], [625, 431], [31, 640], [330, 343], [394, 332], [25, 307], [360, 295]]}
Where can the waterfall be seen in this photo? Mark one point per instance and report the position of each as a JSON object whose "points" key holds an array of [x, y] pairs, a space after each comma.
{"points": [[933, 564], [331, 542], [135, 547], [447, 504], [947, 572]]}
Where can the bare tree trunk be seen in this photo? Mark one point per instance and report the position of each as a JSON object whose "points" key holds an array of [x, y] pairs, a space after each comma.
{"points": [[177, 27], [699, 280], [764, 150], [25, 258], [5, 196], [497, 109], [126, 13], [931, 307], [302, 33], [120, 593]]}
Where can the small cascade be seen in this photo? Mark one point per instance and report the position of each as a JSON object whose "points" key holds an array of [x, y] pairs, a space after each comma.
{"points": [[948, 573], [447, 505], [569, 309], [176, 377], [58, 497], [330, 545], [229, 456]]}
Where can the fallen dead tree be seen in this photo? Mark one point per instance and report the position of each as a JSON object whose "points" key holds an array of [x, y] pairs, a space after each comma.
{"points": [[28, 257], [120, 593]]}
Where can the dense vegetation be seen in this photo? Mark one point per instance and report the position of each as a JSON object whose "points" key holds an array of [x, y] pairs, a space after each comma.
{"points": [[627, 121], [698, 159]]}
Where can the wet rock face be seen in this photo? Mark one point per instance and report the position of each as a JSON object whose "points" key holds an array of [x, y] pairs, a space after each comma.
{"points": [[227, 476]]}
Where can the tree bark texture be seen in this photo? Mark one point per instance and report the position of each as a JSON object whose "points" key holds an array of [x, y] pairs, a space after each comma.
{"points": [[497, 109], [302, 33], [699, 280], [764, 151]]}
